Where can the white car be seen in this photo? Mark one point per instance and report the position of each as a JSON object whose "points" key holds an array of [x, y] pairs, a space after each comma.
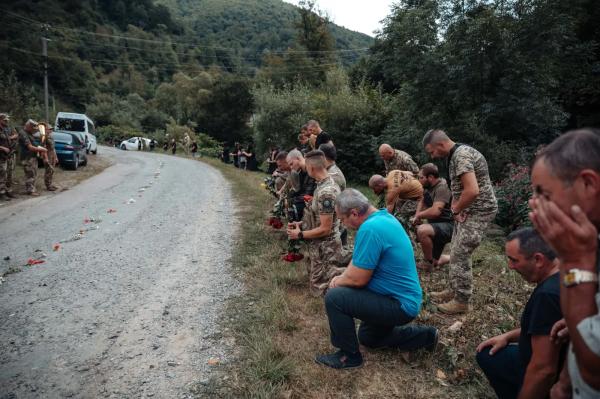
{"points": [[133, 144]]}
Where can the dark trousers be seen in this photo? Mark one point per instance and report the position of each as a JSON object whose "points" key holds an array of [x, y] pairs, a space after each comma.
{"points": [[504, 370], [382, 322]]}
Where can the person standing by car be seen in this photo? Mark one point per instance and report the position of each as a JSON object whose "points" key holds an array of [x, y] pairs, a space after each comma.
{"points": [[29, 149], [50, 159]]}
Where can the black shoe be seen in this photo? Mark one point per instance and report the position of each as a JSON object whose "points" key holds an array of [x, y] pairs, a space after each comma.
{"points": [[4, 197], [340, 360], [10, 195]]}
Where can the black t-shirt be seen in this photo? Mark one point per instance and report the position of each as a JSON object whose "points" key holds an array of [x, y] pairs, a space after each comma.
{"points": [[541, 312], [322, 138]]}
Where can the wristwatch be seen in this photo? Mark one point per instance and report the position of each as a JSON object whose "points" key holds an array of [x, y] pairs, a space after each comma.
{"points": [[300, 235], [577, 276]]}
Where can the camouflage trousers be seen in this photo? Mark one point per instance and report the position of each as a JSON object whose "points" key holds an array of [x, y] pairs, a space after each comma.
{"points": [[327, 259], [30, 167], [5, 175], [404, 211], [465, 239], [49, 170]]}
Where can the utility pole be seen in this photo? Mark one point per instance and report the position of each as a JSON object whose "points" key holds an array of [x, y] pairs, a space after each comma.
{"points": [[45, 41]]}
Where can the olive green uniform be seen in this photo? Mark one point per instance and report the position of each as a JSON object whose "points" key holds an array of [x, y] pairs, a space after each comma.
{"points": [[29, 159], [468, 235], [49, 166], [6, 160]]}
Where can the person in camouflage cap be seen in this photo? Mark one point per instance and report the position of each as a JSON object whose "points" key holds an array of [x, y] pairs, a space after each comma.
{"points": [[320, 227], [7, 150], [397, 160], [473, 207]]}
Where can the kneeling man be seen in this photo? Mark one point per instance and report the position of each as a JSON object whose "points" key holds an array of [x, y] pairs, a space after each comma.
{"points": [[529, 368], [380, 287]]}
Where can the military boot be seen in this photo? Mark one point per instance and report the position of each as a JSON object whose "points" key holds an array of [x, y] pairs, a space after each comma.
{"points": [[454, 307], [444, 296]]}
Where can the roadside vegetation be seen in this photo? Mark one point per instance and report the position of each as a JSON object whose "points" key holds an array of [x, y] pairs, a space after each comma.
{"points": [[278, 327]]}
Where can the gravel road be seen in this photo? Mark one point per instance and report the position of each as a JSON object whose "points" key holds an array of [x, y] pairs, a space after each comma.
{"points": [[129, 305]]}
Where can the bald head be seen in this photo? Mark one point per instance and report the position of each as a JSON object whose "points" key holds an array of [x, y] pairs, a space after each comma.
{"points": [[377, 183], [386, 152]]}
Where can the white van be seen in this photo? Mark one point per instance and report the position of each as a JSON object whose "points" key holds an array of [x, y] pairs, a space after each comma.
{"points": [[80, 124]]}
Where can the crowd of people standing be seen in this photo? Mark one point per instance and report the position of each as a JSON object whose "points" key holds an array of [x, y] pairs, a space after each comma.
{"points": [[555, 351]]}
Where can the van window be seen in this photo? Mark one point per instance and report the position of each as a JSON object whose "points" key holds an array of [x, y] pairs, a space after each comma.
{"points": [[71, 125], [90, 127]]}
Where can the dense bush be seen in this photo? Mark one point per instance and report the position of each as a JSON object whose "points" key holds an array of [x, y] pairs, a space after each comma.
{"points": [[513, 194]]}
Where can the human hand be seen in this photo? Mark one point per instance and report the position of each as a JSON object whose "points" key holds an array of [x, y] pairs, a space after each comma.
{"points": [[293, 230], [559, 333], [460, 217], [561, 390], [333, 282], [498, 342], [572, 236]]}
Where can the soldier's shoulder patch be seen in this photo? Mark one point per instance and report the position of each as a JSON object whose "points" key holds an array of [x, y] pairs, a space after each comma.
{"points": [[327, 204]]}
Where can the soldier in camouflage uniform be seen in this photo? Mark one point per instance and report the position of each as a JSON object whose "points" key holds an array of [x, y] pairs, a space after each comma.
{"points": [[473, 206], [50, 159], [29, 141], [402, 193], [6, 155], [397, 160], [320, 227], [332, 168]]}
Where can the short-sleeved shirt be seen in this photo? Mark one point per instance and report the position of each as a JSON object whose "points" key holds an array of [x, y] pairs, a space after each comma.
{"points": [[541, 312], [439, 193], [338, 176], [466, 159], [402, 185], [382, 245], [322, 138], [323, 202], [24, 140], [401, 161]]}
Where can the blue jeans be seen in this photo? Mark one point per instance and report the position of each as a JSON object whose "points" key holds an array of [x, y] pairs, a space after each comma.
{"points": [[504, 370], [382, 322]]}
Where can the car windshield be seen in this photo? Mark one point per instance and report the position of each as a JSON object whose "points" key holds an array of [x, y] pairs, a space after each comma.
{"points": [[62, 137], [71, 125]]}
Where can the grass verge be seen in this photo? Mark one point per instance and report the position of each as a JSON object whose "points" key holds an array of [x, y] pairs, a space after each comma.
{"points": [[278, 327]]}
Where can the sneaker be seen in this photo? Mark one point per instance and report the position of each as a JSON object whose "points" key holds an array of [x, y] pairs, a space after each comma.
{"points": [[444, 296], [10, 194], [340, 360], [454, 307]]}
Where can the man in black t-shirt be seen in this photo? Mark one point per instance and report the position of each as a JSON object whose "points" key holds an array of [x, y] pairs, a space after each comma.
{"points": [[435, 208], [315, 129], [524, 362]]}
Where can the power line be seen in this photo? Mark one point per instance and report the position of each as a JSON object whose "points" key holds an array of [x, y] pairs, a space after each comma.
{"points": [[195, 44]]}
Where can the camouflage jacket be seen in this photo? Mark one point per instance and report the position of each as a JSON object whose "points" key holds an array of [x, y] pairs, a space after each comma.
{"points": [[466, 159], [338, 176], [401, 161], [323, 203]]}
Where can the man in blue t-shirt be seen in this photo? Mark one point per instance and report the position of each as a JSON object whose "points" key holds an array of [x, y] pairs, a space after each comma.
{"points": [[528, 367], [380, 287]]}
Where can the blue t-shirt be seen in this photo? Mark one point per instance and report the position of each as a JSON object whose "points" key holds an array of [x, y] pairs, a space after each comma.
{"points": [[382, 245]]}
